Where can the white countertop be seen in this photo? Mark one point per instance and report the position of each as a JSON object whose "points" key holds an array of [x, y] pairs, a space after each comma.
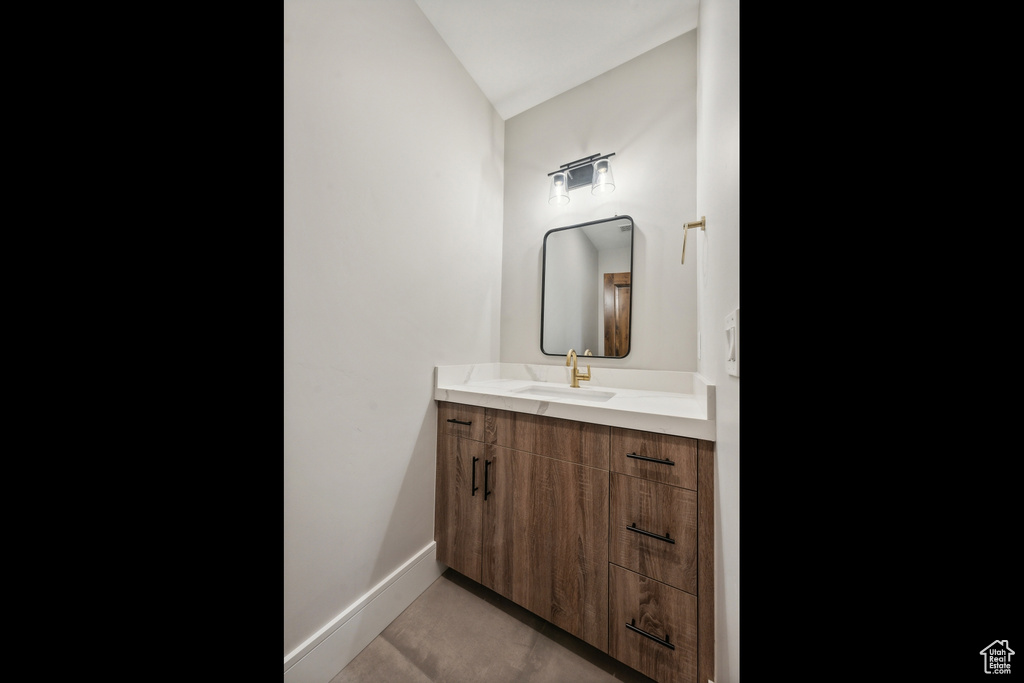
{"points": [[668, 402]]}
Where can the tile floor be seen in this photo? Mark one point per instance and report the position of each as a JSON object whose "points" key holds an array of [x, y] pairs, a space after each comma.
{"points": [[457, 631]]}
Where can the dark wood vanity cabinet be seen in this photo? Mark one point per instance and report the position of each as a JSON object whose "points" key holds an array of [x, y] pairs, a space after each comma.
{"points": [[532, 522], [560, 538], [605, 532], [654, 530], [559, 544], [661, 592], [472, 513]]}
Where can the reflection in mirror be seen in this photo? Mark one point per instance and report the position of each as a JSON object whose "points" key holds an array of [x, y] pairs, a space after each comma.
{"points": [[587, 283]]}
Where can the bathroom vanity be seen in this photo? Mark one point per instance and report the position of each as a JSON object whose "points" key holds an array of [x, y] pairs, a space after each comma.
{"points": [[590, 507]]}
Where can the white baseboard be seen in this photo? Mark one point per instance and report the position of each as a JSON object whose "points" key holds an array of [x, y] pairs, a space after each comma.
{"points": [[330, 649]]}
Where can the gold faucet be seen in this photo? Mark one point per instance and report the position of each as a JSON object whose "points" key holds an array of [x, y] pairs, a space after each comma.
{"points": [[576, 374]]}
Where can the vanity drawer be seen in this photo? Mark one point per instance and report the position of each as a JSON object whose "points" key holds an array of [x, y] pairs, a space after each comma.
{"points": [[568, 440], [659, 457], [456, 419], [653, 530], [652, 627]]}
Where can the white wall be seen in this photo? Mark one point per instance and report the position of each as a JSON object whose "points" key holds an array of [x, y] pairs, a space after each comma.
{"points": [[717, 255], [645, 111], [393, 176]]}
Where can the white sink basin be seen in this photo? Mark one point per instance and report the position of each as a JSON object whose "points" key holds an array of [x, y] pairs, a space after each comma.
{"points": [[547, 392]]}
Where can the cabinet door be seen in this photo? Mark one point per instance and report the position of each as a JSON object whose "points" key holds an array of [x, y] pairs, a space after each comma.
{"points": [[560, 544], [458, 504], [654, 530], [578, 442], [652, 627], [456, 419], [498, 542], [658, 457]]}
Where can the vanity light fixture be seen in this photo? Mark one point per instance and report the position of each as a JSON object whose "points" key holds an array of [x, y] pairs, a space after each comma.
{"points": [[595, 171]]}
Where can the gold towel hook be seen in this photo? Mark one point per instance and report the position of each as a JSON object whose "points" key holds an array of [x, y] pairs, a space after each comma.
{"points": [[686, 226]]}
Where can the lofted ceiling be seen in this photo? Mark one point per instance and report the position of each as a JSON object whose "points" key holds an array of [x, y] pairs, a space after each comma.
{"points": [[523, 52]]}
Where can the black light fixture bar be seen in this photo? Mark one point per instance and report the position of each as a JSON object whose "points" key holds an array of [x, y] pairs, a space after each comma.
{"points": [[581, 162]]}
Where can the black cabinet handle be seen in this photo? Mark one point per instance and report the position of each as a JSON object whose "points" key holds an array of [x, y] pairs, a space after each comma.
{"points": [[475, 487], [655, 638], [644, 457], [652, 535], [487, 467], [460, 422]]}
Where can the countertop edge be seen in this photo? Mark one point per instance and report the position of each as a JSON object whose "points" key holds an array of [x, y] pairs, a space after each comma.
{"points": [[664, 424]]}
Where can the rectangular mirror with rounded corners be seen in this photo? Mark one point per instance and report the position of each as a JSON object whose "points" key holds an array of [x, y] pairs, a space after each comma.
{"points": [[586, 288]]}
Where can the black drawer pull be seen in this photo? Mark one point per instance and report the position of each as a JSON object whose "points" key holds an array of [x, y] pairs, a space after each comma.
{"points": [[460, 422], [656, 639], [475, 487], [487, 467], [644, 457], [652, 535]]}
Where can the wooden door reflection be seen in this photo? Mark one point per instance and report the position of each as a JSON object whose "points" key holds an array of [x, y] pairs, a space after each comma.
{"points": [[616, 313]]}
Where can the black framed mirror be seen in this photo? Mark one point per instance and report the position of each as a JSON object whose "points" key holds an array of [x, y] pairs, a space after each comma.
{"points": [[586, 288]]}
